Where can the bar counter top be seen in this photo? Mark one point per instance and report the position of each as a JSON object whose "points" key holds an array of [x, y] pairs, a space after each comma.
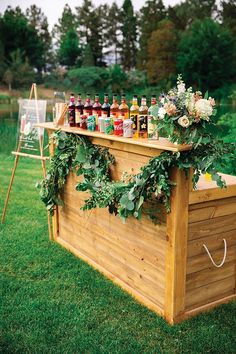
{"points": [[161, 144]]}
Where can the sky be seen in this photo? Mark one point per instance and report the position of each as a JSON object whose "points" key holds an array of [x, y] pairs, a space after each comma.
{"points": [[53, 8]]}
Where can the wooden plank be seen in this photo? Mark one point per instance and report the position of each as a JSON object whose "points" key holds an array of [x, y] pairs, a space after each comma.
{"points": [[212, 226], [212, 203], [205, 195], [126, 147], [155, 256], [209, 275], [136, 294], [152, 272], [213, 242], [37, 157], [226, 298], [161, 144], [200, 262], [106, 256], [210, 292], [212, 212], [176, 253]]}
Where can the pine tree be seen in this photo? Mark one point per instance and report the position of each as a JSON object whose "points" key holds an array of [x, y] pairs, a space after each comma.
{"points": [[91, 29], [69, 50], [65, 23], [88, 59], [162, 49], [39, 21], [113, 34], [183, 14], [129, 36], [149, 17]]}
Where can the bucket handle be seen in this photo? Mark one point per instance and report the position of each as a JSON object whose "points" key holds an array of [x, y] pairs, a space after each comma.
{"points": [[224, 257]]}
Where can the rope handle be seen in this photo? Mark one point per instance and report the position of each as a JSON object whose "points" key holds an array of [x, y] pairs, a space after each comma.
{"points": [[210, 256]]}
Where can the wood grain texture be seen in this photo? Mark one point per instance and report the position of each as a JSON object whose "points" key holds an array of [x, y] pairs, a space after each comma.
{"points": [[204, 195], [133, 252], [176, 253], [139, 297], [162, 144], [210, 292]]}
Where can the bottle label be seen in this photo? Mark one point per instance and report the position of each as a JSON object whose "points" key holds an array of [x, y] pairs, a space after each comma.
{"points": [[134, 118], [77, 116], [142, 122]]}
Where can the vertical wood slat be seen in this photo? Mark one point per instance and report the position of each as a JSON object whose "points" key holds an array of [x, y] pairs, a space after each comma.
{"points": [[176, 252], [55, 215]]}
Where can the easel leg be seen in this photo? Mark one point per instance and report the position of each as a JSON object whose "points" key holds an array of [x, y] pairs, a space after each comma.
{"points": [[9, 188]]}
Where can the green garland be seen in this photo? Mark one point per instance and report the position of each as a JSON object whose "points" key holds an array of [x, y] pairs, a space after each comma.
{"points": [[136, 195]]}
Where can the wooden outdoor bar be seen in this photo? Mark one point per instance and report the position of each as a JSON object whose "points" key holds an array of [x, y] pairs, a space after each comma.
{"points": [[166, 267]]}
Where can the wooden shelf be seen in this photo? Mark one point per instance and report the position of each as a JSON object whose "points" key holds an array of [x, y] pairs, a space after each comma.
{"points": [[161, 144]]}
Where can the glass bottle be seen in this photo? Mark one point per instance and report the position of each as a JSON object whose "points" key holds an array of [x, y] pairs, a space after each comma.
{"points": [[142, 118], [88, 106], [106, 106], [152, 120], [134, 110], [123, 108], [97, 109], [78, 110], [72, 111], [114, 109]]}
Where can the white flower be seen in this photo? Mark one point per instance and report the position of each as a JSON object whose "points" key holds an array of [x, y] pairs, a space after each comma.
{"points": [[27, 128], [184, 121], [190, 102], [204, 108], [161, 113], [181, 88]]}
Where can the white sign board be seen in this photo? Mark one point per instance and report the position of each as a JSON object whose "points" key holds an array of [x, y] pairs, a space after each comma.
{"points": [[31, 112]]}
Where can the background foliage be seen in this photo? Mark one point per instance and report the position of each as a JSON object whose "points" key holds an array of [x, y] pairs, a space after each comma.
{"points": [[196, 38]]}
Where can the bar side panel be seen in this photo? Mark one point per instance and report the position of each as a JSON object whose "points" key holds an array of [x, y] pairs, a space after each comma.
{"points": [[210, 223]]}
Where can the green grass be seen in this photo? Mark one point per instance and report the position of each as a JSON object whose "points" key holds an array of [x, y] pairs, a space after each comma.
{"points": [[52, 302]]}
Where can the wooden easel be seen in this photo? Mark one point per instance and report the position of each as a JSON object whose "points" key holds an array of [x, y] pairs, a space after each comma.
{"points": [[18, 153]]}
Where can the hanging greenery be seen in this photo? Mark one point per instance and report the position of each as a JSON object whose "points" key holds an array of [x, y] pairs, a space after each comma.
{"points": [[135, 194]]}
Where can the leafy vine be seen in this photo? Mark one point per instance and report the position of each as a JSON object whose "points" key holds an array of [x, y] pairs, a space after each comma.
{"points": [[134, 195]]}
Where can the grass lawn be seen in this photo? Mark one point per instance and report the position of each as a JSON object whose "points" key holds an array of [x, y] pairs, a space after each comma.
{"points": [[52, 302]]}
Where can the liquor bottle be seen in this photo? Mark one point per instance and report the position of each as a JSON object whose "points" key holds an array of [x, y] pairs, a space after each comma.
{"points": [[78, 110], [114, 109], [97, 109], [152, 120], [134, 111], [88, 106], [123, 108], [72, 111], [106, 106], [142, 118]]}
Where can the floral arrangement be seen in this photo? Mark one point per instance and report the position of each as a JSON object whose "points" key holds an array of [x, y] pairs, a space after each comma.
{"points": [[184, 114]]}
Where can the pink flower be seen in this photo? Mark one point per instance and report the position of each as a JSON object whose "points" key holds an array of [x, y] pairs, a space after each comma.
{"points": [[170, 109], [212, 101]]}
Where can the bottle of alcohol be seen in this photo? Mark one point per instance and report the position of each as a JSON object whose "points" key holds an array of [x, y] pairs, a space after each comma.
{"points": [[123, 108], [78, 110], [142, 118], [88, 106], [72, 111], [106, 106], [114, 109], [134, 111], [97, 110], [152, 120]]}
